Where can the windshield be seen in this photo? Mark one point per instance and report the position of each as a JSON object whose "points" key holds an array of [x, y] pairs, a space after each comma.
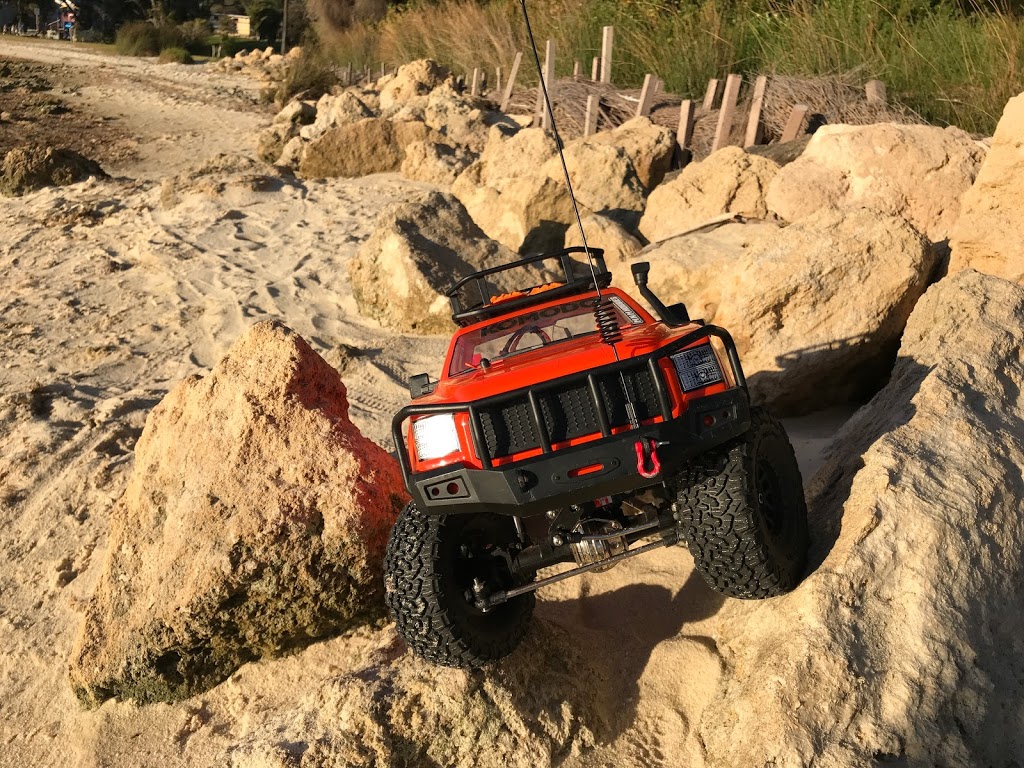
{"points": [[509, 336]]}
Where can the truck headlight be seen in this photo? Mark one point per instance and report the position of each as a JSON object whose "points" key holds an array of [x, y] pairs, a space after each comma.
{"points": [[435, 436], [697, 367]]}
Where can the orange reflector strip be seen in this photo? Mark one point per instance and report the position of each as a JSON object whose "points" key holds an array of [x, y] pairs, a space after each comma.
{"points": [[587, 470]]}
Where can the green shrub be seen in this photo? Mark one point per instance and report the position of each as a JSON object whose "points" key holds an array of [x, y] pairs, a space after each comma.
{"points": [[311, 73], [138, 38], [175, 56], [193, 36]]}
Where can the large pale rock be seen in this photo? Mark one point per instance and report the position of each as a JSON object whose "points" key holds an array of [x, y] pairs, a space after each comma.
{"points": [[417, 252], [990, 230], [695, 268], [370, 146], [648, 146], [435, 162], [334, 110], [603, 180], [510, 198], [460, 120], [816, 308], [301, 112], [728, 181], [918, 172], [526, 711], [903, 646], [254, 522], [416, 78], [271, 141], [618, 245]]}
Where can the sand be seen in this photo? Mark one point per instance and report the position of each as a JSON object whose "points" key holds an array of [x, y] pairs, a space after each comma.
{"points": [[108, 297]]}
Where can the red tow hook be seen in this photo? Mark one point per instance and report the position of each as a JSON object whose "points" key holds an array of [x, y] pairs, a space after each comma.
{"points": [[642, 447]]}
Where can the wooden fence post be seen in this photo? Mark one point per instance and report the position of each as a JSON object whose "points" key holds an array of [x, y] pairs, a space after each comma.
{"points": [[590, 122], [511, 81], [711, 95], [732, 92], [497, 79], [577, 68], [607, 46], [754, 121], [643, 109], [875, 91], [795, 123], [474, 89], [549, 81], [684, 134], [595, 69]]}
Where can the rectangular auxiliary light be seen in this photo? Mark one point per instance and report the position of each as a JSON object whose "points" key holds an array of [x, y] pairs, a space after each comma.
{"points": [[697, 367]]}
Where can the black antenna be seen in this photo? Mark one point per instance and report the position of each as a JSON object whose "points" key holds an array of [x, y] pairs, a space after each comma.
{"points": [[604, 311]]}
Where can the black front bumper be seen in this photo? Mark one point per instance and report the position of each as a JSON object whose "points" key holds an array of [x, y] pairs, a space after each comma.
{"points": [[545, 482]]}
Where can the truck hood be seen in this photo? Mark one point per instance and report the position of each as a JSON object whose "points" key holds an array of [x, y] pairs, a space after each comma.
{"points": [[551, 362]]}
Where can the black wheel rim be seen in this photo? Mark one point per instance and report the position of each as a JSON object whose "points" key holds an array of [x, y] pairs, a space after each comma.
{"points": [[769, 498]]}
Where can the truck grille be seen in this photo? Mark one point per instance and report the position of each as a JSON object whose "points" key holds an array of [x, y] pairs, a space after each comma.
{"points": [[568, 411]]}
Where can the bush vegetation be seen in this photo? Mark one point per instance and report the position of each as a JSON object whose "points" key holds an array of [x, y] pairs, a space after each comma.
{"points": [[952, 62], [175, 56], [311, 73]]}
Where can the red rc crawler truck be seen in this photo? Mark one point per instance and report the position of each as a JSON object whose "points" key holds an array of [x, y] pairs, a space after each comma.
{"points": [[569, 426]]}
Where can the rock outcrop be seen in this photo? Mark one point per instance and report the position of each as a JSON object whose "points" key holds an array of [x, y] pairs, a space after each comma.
{"points": [[417, 252], [510, 199], [728, 181], [903, 645], [374, 145], [254, 522], [26, 169], [918, 172], [603, 180], [417, 78], [988, 235], [816, 308], [435, 162], [334, 110], [619, 246], [648, 146], [271, 141]]}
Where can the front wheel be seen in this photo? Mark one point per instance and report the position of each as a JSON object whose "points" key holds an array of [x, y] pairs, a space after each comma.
{"points": [[742, 513], [429, 570]]}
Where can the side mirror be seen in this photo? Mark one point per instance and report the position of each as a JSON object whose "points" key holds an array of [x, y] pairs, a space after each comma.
{"points": [[419, 385]]}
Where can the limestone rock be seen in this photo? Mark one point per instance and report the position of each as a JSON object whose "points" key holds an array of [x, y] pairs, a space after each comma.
{"points": [[619, 246], [370, 146], [525, 711], [26, 169], [459, 119], [416, 78], [728, 181], [903, 645], [648, 146], [270, 142], [989, 232], [695, 268], [816, 308], [255, 521], [918, 172], [333, 110], [603, 179], [417, 252], [508, 196], [301, 112], [435, 162]]}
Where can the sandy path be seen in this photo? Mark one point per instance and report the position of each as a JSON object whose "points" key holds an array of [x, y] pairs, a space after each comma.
{"points": [[108, 296]]}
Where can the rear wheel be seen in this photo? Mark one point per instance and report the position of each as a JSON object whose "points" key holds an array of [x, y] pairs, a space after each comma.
{"points": [[742, 512], [429, 570]]}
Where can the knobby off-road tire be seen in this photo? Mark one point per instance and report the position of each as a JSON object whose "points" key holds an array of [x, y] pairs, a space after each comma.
{"points": [[426, 577], [743, 515]]}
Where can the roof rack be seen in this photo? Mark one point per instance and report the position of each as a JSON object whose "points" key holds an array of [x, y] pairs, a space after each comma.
{"points": [[477, 297]]}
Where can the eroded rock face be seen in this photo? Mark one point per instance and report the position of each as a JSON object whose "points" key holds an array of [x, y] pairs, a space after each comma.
{"points": [[510, 198], [255, 521], [619, 246], [603, 180], [649, 148], [816, 308], [26, 169], [989, 232], [417, 78], [729, 181], [418, 251], [904, 643], [333, 110], [270, 142], [374, 145], [918, 172], [435, 162]]}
